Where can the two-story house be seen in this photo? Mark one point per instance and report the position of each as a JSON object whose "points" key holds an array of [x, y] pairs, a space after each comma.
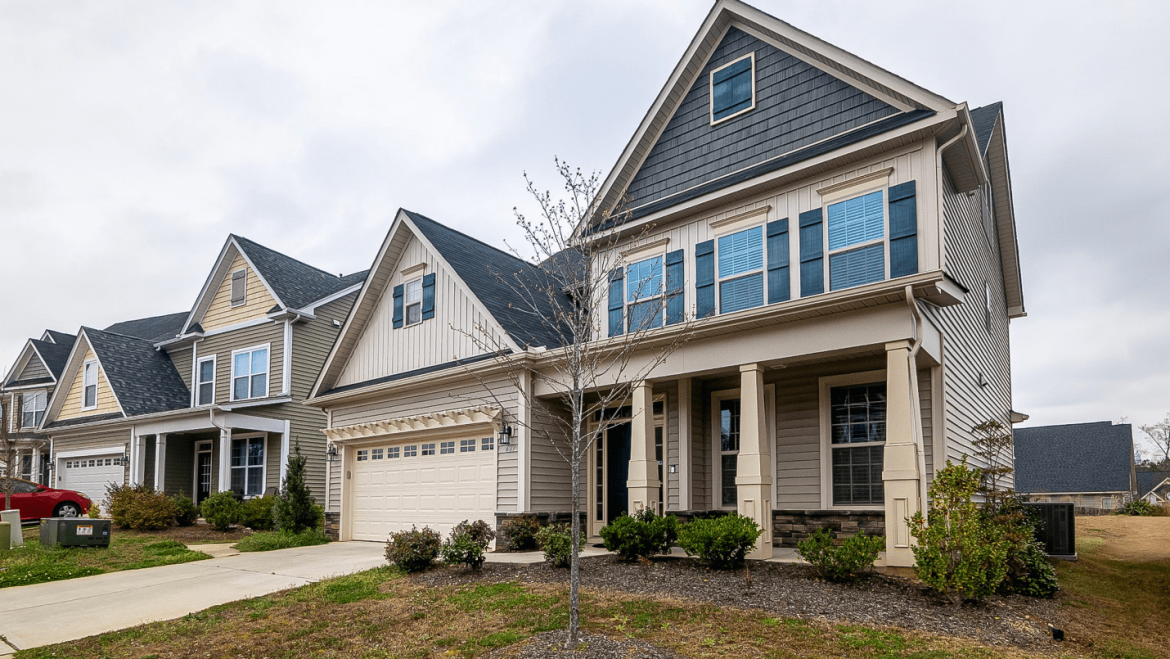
{"points": [[25, 393], [209, 399], [840, 248]]}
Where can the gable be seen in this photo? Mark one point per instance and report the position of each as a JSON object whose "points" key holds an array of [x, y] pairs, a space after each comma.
{"points": [[258, 301], [796, 105], [34, 369], [106, 402]]}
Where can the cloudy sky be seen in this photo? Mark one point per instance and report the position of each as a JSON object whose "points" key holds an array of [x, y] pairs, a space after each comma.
{"points": [[135, 136]]}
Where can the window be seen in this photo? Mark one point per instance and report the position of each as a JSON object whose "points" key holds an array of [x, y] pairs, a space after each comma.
{"points": [[239, 287], [363, 455], [205, 381], [89, 384], [658, 456], [857, 249], [487, 444], [413, 301], [446, 447], [392, 453], [857, 435], [428, 449], [32, 409], [19, 487], [250, 373], [1107, 503], [741, 270], [410, 451], [644, 294], [376, 454], [248, 466], [733, 88], [728, 450], [467, 446]]}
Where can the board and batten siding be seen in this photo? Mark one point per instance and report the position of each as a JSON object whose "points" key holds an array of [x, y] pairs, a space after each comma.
{"points": [[257, 302], [106, 403], [700, 448], [33, 370], [222, 345], [382, 350]]}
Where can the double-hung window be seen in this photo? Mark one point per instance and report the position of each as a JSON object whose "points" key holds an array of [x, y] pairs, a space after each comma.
{"points": [[857, 246], [644, 294], [32, 409], [205, 381], [741, 269], [250, 373], [89, 383], [248, 466], [733, 88], [857, 437], [413, 295]]}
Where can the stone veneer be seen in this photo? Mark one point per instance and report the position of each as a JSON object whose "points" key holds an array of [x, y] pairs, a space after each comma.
{"points": [[791, 526], [333, 525]]}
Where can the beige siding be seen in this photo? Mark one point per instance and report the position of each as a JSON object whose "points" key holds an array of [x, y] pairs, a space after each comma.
{"points": [[382, 350], [924, 401], [670, 445], [222, 345], [181, 358], [106, 403], [257, 304], [700, 449], [552, 479], [33, 370]]}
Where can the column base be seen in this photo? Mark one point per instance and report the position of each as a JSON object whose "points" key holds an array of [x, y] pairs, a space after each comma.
{"points": [[643, 496], [901, 503], [755, 502]]}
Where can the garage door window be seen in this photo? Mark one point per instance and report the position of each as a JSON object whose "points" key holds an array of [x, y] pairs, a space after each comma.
{"points": [[363, 455], [446, 448], [428, 449], [467, 446], [248, 466], [376, 454], [410, 451], [392, 453], [487, 444]]}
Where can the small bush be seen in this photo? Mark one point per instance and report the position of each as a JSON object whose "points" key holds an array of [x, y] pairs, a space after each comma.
{"points": [[120, 500], [844, 562], [1037, 577], [467, 543], [186, 512], [139, 507], [1028, 570], [556, 541], [295, 508], [269, 541], [95, 510], [256, 513], [1137, 508], [413, 550], [644, 534], [721, 542], [520, 533], [221, 510]]}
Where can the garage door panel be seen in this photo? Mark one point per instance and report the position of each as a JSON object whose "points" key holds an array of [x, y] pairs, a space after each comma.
{"points": [[90, 475]]}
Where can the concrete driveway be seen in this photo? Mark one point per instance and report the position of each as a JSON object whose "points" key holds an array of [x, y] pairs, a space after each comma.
{"points": [[43, 614]]}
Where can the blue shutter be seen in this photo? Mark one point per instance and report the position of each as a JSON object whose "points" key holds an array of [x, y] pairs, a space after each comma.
{"points": [[857, 267], [705, 279], [731, 89], [812, 254], [779, 287], [617, 319], [903, 230], [428, 301], [675, 300], [398, 306]]}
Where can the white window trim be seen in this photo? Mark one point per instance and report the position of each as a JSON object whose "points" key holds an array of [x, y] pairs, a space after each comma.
{"points": [[721, 230], [202, 446], [591, 508], [214, 359], [633, 258], [264, 478], [232, 304], [406, 305], [770, 424], [43, 409], [876, 182], [711, 90], [267, 374], [826, 384], [96, 381]]}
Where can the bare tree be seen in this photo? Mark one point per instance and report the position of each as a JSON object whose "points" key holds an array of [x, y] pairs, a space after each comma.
{"points": [[1159, 435], [9, 469], [564, 290], [993, 444]]}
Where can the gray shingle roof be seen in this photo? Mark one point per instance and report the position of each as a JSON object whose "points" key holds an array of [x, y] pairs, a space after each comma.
{"points": [[61, 337], [296, 283], [144, 379], [153, 329], [983, 121], [1079, 457], [1148, 480], [54, 355]]}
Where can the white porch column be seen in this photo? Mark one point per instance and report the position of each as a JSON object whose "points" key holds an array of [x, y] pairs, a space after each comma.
{"points": [[753, 479], [160, 461], [643, 478], [36, 465], [902, 454], [284, 452], [225, 459], [137, 458]]}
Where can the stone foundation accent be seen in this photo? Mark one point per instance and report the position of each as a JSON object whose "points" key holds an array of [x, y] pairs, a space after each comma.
{"points": [[791, 526], [544, 519], [333, 525]]}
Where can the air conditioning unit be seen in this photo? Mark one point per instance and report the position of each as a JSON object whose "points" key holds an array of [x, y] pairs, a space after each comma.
{"points": [[75, 532], [1058, 532]]}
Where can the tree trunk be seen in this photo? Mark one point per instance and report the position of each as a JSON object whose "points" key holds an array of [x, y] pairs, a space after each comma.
{"points": [[574, 565]]}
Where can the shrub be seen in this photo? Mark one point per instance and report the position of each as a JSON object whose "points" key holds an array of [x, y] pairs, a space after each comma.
{"points": [[186, 512], [467, 543], [119, 499], [95, 510], [644, 534], [721, 542], [519, 533], [221, 510], [139, 507], [269, 541], [413, 550], [256, 513], [960, 553], [556, 541], [295, 508], [843, 562], [1137, 508], [1028, 571]]}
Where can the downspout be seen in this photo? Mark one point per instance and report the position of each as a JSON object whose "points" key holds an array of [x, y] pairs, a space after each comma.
{"points": [[938, 176], [916, 417]]}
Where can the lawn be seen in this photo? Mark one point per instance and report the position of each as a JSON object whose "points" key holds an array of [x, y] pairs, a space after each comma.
{"points": [[128, 550]]}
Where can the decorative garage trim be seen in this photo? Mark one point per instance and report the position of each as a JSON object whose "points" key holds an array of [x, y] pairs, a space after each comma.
{"points": [[447, 419]]}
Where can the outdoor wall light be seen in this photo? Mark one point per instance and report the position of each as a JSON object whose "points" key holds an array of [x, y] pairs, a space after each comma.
{"points": [[506, 435], [331, 453]]}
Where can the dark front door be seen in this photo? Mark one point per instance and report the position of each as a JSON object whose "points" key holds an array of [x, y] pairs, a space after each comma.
{"points": [[617, 471], [203, 476]]}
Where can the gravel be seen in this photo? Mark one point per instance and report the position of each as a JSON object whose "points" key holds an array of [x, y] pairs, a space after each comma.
{"points": [[552, 645]]}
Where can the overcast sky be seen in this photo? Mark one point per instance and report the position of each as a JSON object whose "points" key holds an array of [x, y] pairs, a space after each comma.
{"points": [[135, 136]]}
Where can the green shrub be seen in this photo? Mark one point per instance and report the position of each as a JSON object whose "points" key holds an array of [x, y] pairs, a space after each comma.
{"points": [[1030, 573], [1028, 570], [1137, 508], [95, 511], [295, 508], [556, 541], [721, 542], [644, 534], [221, 510], [268, 541], [519, 533], [139, 507], [413, 550], [120, 500], [256, 513], [843, 562], [467, 543], [961, 553], [186, 512]]}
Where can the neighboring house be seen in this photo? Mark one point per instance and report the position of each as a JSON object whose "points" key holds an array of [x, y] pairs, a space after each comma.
{"points": [[26, 390], [1087, 464], [1154, 486], [209, 399], [847, 242]]}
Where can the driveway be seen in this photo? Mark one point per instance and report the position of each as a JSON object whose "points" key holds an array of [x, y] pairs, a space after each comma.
{"points": [[43, 614]]}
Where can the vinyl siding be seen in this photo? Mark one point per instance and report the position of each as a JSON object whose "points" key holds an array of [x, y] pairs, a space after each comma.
{"points": [[106, 403], [551, 478], [700, 448], [257, 304], [114, 437], [670, 447], [181, 358], [179, 477], [34, 369], [222, 345]]}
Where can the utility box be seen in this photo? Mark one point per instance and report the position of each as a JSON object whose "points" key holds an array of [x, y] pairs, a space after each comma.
{"points": [[75, 532], [1058, 533]]}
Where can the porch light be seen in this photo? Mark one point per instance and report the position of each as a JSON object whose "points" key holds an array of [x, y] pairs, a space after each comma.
{"points": [[506, 435], [123, 460], [331, 453]]}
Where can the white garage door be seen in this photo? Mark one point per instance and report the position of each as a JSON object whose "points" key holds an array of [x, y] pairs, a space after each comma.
{"points": [[436, 484], [90, 474]]}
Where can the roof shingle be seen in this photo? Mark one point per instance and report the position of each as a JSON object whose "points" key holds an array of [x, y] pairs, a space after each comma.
{"points": [[143, 378], [983, 122], [154, 329], [296, 283], [1078, 457]]}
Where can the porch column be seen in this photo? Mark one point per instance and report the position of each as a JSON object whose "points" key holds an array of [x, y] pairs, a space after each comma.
{"points": [[753, 480], [160, 461], [225, 460], [137, 458], [643, 478], [902, 454], [35, 475]]}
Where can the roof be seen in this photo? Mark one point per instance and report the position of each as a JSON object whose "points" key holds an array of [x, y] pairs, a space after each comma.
{"points": [[1148, 480], [1079, 457], [153, 329], [983, 122], [295, 283], [61, 338], [54, 355], [144, 379]]}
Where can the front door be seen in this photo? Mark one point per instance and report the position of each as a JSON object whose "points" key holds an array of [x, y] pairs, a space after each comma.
{"points": [[617, 471], [202, 476]]}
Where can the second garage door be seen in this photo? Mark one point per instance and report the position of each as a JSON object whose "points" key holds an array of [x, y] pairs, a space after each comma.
{"points": [[90, 474], [436, 484]]}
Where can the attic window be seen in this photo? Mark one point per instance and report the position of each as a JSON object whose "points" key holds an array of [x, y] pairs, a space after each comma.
{"points": [[733, 89], [239, 287], [413, 301], [89, 385]]}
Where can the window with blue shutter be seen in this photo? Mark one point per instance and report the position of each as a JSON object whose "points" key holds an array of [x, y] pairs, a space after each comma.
{"points": [[779, 286], [812, 253], [857, 251], [732, 88], [644, 294], [705, 279], [675, 278], [617, 320], [741, 263], [903, 230], [428, 296], [398, 290]]}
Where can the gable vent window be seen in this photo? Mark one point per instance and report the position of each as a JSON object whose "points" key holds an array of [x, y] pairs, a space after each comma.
{"points": [[32, 409], [89, 382], [239, 287], [733, 89]]}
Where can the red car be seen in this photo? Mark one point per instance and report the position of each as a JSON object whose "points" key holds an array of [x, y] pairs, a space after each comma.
{"points": [[37, 501]]}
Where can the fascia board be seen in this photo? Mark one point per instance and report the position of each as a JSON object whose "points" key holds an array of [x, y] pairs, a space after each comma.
{"points": [[201, 301], [68, 375]]}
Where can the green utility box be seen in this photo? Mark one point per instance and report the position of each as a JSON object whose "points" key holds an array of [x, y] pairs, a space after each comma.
{"points": [[75, 532]]}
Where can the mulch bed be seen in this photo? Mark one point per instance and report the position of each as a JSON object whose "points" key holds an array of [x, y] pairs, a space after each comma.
{"points": [[192, 534], [551, 645], [794, 591]]}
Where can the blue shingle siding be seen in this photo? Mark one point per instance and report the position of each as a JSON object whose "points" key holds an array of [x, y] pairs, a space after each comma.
{"points": [[796, 105], [1079, 457]]}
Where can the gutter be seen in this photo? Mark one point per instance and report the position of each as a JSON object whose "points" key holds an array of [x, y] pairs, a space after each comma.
{"points": [[916, 418]]}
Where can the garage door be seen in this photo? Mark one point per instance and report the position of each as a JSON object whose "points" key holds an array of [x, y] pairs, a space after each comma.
{"points": [[90, 474], [436, 484]]}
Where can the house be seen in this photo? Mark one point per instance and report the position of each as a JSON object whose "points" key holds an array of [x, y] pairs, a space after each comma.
{"points": [[25, 391], [1154, 487], [208, 399], [1087, 464], [845, 241]]}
